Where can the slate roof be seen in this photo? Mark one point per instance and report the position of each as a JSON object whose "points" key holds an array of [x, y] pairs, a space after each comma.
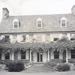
{"points": [[51, 23]]}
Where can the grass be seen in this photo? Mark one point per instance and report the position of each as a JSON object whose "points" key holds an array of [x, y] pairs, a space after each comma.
{"points": [[45, 73]]}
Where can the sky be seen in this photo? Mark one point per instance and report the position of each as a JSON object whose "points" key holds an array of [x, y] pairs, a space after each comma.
{"points": [[36, 7]]}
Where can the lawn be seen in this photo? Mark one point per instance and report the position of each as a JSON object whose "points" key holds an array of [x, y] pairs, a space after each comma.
{"points": [[46, 73]]}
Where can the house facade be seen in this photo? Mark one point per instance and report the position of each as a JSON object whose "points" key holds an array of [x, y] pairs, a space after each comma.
{"points": [[32, 29]]}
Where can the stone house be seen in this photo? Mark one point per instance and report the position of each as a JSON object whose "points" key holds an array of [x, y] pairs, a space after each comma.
{"points": [[41, 29]]}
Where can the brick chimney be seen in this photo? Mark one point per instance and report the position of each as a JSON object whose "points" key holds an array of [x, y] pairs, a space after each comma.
{"points": [[5, 13], [73, 10]]}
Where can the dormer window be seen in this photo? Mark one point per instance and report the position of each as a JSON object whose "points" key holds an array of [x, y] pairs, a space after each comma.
{"points": [[16, 23], [39, 23], [63, 22]]}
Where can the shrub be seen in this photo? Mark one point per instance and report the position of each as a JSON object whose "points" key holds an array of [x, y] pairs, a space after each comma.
{"points": [[50, 64], [15, 66], [63, 67]]}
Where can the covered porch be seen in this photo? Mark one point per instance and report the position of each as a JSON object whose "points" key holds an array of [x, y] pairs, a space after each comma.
{"points": [[38, 52]]}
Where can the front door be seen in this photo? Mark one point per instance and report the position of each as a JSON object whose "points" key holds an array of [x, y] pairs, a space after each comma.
{"points": [[64, 56], [39, 57]]}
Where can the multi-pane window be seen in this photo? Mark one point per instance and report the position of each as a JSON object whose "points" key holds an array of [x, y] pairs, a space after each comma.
{"points": [[73, 54], [39, 23], [16, 23], [56, 55], [63, 22], [23, 54], [7, 56]]}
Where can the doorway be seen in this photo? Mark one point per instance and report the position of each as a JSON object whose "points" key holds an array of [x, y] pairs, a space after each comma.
{"points": [[39, 57], [64, 56]]}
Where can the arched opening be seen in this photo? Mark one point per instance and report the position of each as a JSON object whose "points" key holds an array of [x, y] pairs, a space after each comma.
{"points": [[7, 56]]}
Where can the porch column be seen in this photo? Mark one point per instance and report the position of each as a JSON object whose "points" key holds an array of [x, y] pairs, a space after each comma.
{"points": [[48, 55], [52, 54], [69, 53], [3, 56], [27, 54], [30, 55], [60, 55], [44, 56], [66, 56], [12, 56], [19, 55]]}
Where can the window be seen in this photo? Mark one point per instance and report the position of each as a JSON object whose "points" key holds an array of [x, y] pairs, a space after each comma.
{"points": [[56, 39], [7, 56], [72, 39], [63, 22], [6, 38], [72, 53], [56, 55], [23, 54], [39, 23], [15, 23]]}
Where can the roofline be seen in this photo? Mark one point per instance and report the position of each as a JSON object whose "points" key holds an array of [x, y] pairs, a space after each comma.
{"points": [[38, 32], [38, 15]]}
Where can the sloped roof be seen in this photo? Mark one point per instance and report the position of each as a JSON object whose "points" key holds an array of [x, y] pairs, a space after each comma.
{"points": [[28, 23]]}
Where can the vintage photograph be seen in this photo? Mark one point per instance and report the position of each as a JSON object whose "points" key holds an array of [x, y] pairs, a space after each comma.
{"points": [[37, 37]]}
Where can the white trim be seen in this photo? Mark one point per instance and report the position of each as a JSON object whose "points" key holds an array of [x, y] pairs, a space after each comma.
{"points": [[16, 20], [39, 19], [63, 18]]}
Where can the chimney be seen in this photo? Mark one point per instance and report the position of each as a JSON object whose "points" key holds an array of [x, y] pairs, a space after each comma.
{"points": [[5, 13], [73, 10]]}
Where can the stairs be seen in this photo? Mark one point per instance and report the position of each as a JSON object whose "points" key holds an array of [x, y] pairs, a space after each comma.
{"points": [[38, 67]]}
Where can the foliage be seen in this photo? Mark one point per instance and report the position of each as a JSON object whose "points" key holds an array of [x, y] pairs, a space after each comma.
{"points": [[50, 64], [63, 67], [15, 66], [60, 45]]}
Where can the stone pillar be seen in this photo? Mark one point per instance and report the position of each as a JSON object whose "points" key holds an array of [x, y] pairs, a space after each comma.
{"points": [[27, 54], [19, 55], [3, 56], [66, 56], [60, 55], [48, 55], [52, 54], [12, 56]]}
